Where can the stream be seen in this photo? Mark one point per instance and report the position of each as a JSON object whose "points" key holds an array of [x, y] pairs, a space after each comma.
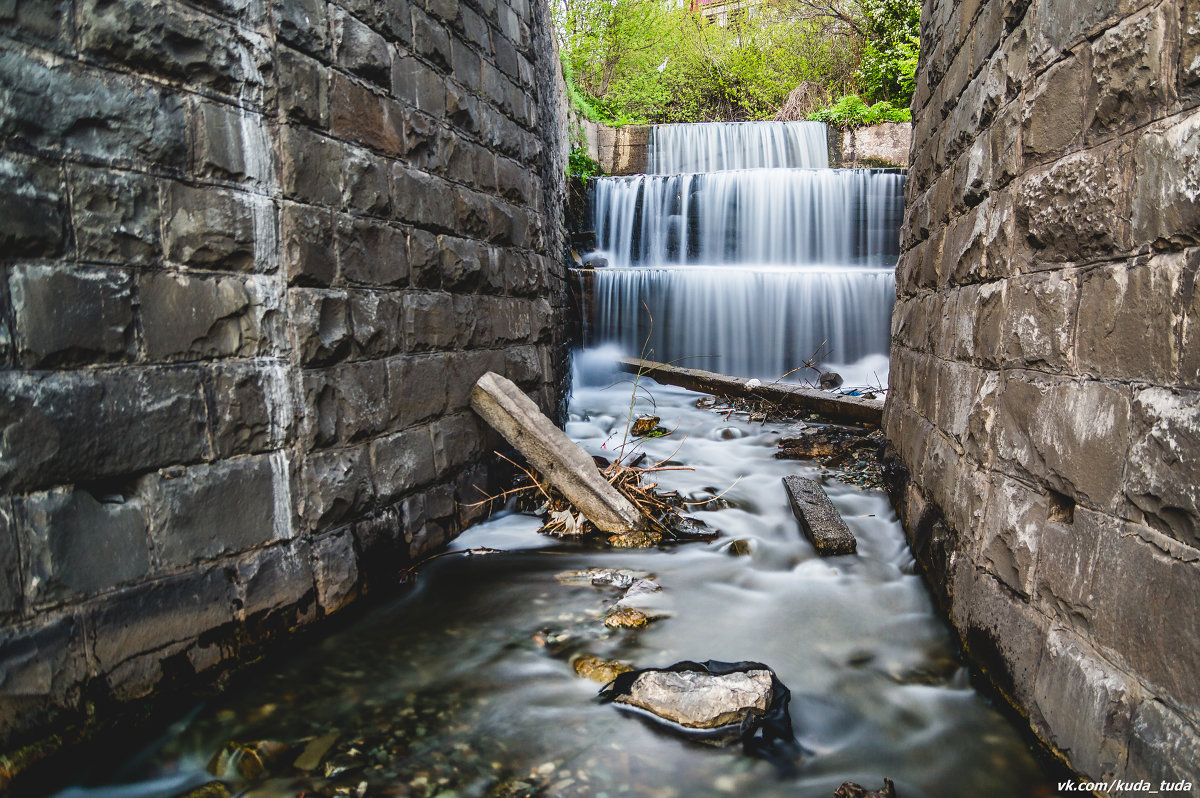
{"points": [[463, 686]]}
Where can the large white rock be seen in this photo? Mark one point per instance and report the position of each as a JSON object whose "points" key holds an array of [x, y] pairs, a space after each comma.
{"points": [[700, 700]]}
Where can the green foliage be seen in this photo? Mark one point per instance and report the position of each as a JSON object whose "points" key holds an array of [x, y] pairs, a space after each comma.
{"points": [[580, 164], [647, 61], [889, 61], [851, 111]]}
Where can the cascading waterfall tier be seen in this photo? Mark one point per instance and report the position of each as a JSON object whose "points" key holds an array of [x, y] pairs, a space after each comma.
{"points": [[715, 147], [752, 263], [758, 216]]}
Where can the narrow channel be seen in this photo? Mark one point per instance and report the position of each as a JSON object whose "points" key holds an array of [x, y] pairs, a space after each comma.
{"points": [[465, 685]]}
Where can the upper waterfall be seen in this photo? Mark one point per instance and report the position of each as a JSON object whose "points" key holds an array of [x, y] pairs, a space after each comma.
{"points": [[836, 217], [709, 147]]}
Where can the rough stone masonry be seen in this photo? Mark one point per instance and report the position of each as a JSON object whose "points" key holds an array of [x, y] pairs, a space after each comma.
{"points": [[253, 256], [1045, 383]]}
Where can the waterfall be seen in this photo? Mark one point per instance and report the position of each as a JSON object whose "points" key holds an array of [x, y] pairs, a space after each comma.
{"points": [[759, 216], [744, 253], [714, 147]]}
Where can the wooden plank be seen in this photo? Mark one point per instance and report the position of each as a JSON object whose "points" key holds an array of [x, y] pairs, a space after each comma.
{"points": [[820, 520], [555, 456], [793, 397]]}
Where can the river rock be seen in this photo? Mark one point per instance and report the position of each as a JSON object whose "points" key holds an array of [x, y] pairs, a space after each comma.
{"points": [[589, 666], [626, 618], [851, 790], [644, 425], [830, 380], [700, 700], [619, 578]]}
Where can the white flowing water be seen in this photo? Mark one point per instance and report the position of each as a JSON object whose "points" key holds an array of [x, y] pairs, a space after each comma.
{"points": [[755, 263], [707, 147]]}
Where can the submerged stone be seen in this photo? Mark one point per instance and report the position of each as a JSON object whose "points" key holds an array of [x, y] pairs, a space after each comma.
{"points": [[851, 790], [602, 577], [589, 666]]}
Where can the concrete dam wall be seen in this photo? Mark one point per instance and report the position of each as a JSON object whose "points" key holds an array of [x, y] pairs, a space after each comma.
{"points": [[1045, 378], [254, 255]]}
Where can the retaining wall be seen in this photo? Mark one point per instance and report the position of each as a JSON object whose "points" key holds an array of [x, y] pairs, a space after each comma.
{"points": [[254, 255], [1045, 379]]}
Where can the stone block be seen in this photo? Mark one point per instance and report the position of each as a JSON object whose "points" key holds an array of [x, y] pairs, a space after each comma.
{"points": [[431, 40], [175, 42], [1066, 567], [1076, 208], [1131, 68], [97, 114], [214, 229], [33, 198], [1001, 633], [459, 439], [1011, 533], [252, 408], [1147, 608], [321, 324], [185, 317], [424, 259], [423, 199], [376, 319], [1070, 435], [364, 117], [1053, 116], [964, 257], [1131, 320], [46, 21], [43, 663], [58, 428], [225, 507], [417, 387], [306, 234], [402, 462], [371, 253], [302, 88], [311, 167], [77, 543], [462, 109], [1039, 326], [1060, 24], [1086, 704], [361, 50], [277, 581], [1167, 180], [463, 370], [431, 321], [467, 65], [991, 309], [1189, 372], [1162, 747], [347, 402], [1162, 478], [64, 316], [115, 216], [365, 189], [231, 142], [303, 24], [140, 627], [337, 485], [335, 569]]}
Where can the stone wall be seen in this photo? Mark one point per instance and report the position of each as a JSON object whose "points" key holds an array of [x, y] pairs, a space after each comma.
{"points": [[1045, 378], [254, 255]]}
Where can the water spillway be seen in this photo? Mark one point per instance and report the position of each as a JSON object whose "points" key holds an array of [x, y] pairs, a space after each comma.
{"points": [[751, 267]]}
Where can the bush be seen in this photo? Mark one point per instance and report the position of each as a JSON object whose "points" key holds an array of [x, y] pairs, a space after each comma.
{"points": [[851, 111]]}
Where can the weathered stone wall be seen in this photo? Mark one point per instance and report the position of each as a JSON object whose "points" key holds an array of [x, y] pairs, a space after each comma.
{"points": [[253, 255], [1045, 379]]}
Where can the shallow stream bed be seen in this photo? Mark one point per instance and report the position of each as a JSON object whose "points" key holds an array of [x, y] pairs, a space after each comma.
{"points": [[463, 686]]}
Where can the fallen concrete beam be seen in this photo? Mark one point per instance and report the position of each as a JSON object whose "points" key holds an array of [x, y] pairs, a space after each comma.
{"points": [[820, 520], [783, 395], [555, 456]]}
